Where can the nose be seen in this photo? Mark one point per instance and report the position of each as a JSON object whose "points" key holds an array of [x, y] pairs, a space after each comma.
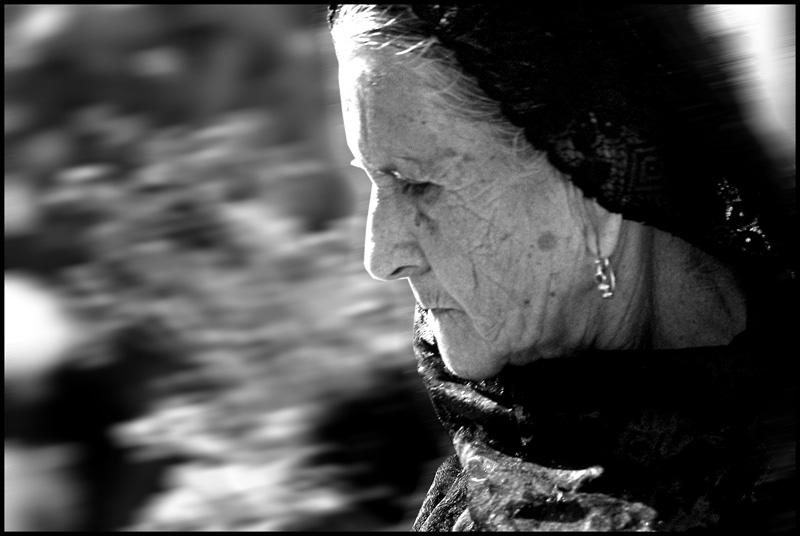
{"points": [[391, 250]]}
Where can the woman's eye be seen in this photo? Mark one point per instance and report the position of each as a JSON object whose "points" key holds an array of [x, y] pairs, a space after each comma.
{"points": [[408, 187], [414, 188]]}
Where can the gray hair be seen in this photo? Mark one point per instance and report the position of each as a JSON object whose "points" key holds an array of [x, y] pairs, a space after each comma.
{"points": [[380, 26]]}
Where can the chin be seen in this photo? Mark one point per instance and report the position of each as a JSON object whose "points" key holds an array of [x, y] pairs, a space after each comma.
{"points": [[470, 366], [465, 353]]}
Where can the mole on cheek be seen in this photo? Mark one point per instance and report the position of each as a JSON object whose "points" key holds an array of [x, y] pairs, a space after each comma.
{"points": [[547, 241]]}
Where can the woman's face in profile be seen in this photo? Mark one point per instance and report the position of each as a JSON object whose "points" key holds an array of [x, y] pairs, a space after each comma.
{"points": [[490, 244]]}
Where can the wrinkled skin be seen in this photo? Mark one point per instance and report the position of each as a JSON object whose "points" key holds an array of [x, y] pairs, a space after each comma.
{"points": [[495, 247]]}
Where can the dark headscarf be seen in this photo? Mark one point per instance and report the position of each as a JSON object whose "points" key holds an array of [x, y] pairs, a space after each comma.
{"points": [[637, 107]]}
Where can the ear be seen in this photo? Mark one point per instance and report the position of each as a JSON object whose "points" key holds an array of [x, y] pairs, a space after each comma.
{"points": [[602, 229]]}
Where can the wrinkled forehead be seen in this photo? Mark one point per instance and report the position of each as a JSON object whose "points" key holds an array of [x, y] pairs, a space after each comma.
{"points": [[391, 113]]}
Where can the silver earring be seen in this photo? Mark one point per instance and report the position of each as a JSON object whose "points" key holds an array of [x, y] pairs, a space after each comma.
{"points": [[604, 277]]}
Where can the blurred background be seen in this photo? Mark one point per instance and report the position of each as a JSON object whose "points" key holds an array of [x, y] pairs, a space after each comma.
{"points": [[192, 342]]}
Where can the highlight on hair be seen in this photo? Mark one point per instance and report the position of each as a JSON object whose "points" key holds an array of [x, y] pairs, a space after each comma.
{"points": [[434, 65]]}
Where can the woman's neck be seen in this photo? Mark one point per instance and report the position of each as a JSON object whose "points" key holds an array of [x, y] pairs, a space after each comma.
{"points": [[669, 295]]}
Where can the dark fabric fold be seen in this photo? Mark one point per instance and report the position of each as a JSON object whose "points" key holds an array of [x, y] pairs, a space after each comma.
{"points": [[655, 440]]}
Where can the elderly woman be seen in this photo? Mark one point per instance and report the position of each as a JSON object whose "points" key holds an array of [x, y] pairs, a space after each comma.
{"points": [[584, 222]]}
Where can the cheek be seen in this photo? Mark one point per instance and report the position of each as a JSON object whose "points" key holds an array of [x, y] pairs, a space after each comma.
{"points": [[425, 224], [480, 244], [500, 247]]}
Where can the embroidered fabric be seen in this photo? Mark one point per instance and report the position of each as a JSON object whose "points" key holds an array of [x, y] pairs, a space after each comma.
{"points": [[633, 440]]}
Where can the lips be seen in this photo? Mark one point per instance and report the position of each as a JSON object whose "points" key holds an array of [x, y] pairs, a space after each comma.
{"points": [[429, 297], [432, 304], [434, 307]]}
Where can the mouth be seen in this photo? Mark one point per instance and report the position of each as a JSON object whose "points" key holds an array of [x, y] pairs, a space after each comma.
{"points": [[430, 298], [436, 309]]}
